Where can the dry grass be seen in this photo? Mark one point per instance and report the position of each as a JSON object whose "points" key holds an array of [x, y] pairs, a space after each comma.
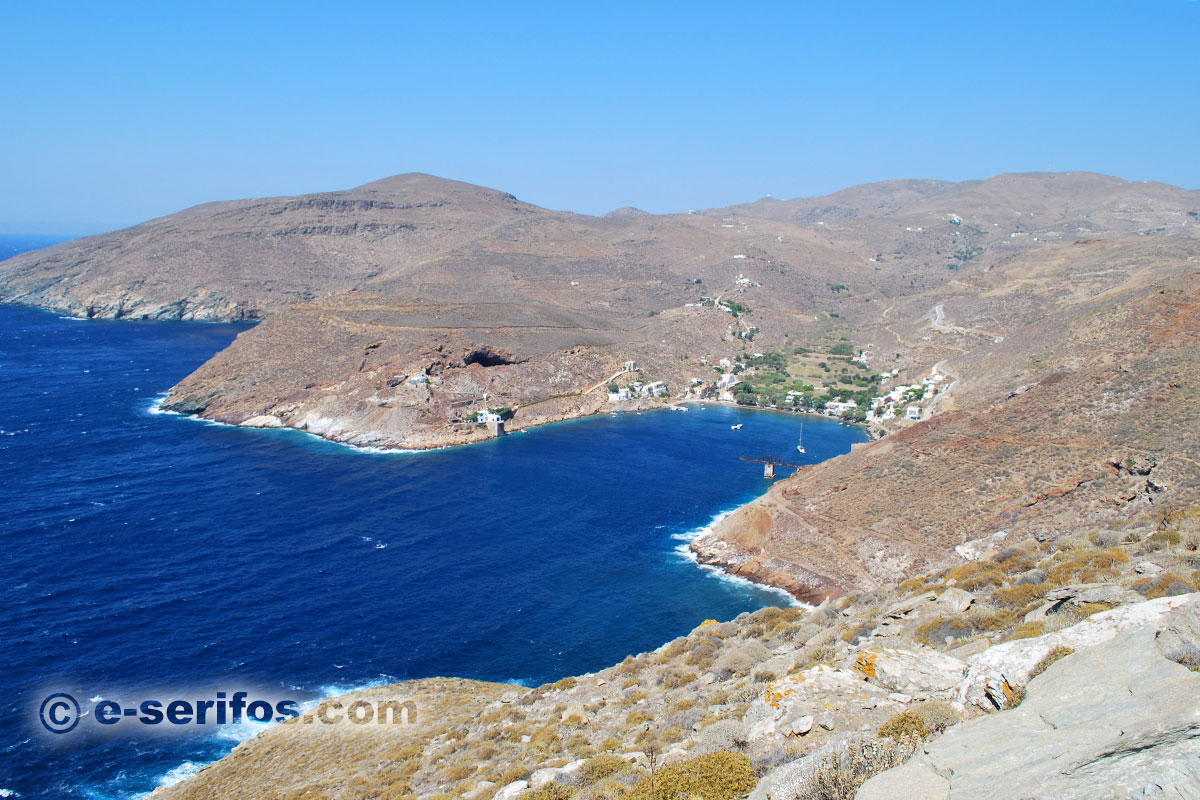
{"points": [[1057, 653], [1028, 630], [904, 725], [842, 772]]}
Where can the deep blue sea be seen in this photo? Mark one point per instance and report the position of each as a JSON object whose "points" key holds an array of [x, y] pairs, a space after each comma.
{"points": [[152, 550]]}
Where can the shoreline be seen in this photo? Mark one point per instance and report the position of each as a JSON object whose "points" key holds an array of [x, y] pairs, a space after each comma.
{"points": [[157, 408], [692, 548]]}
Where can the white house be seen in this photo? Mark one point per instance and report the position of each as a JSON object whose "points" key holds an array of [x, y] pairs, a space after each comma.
{"points": [[619, 396], [487, 415], [417, 380], [658, 388], [913, 412], [837, 407]]}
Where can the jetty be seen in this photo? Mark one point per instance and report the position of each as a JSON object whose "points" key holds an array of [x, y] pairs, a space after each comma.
{"points": [[770, 462]]}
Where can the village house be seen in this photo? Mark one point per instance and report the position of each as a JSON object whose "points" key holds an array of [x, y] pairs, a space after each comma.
{"points": [[837, 407], [619, 396]]}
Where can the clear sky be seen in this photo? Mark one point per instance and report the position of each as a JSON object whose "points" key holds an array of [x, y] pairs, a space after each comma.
{"points": [[116, 112]]}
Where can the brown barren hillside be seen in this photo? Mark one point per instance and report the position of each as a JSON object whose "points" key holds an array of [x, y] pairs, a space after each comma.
{"points": [[1082, 416], [1060, 308]]}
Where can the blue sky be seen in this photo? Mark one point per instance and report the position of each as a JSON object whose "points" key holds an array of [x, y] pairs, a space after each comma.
{"points": [[117, 112]]}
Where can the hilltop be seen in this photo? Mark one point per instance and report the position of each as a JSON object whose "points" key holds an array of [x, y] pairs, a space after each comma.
{"points": [[1070, 200]]}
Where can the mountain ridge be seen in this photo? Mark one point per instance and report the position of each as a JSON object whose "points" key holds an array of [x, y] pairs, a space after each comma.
{"points": [[389, 311]]}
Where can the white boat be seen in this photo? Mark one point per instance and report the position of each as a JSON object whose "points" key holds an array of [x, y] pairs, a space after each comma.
{"points": [[737, 427], [800, 444]]}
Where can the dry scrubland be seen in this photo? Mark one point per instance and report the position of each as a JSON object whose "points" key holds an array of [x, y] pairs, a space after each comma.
{"points": [[810, 701]]}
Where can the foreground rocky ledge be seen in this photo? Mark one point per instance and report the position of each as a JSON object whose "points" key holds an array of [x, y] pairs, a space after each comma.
{"points": [[1005, 677]]}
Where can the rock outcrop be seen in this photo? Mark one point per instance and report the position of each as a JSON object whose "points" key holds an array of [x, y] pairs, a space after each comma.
{"points": [[1113, 720]]}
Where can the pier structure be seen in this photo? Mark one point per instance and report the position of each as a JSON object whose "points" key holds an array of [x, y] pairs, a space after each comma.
{"points": [[770, 463]]}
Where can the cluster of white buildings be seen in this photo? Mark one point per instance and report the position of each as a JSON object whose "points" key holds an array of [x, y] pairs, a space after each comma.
{"points": [[905, 400], [638, 389], [837, 407]]}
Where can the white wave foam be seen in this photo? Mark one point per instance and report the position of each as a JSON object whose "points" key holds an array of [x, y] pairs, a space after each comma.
{"points": [[177, 774], [171, 777], [684, 551], [332, 689], [246, 729], [524, 683], [155, 407]]}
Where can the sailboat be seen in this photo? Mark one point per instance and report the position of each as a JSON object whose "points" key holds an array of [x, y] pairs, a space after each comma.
{"points": [[800, 444]]}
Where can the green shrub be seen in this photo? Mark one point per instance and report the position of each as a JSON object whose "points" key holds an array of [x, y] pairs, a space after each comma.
{"points": [[1163, 539], [1017, 596], [841, 772], [1167, 584], [674, 678], [907, 723], [717, 776], [601, 767], [938, 715], [551, 791], [937, 632]]}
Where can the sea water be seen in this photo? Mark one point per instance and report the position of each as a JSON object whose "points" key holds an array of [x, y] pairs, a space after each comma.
{"points": [[143, 549]]}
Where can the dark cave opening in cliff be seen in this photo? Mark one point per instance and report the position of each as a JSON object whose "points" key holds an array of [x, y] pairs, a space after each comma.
{"points": [[487, 357]]}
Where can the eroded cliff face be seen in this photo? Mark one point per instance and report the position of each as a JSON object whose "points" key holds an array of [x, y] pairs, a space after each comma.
{"points": [[1076, 415]]}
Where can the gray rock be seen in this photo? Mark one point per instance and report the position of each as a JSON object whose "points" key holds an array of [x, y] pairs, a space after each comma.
{"points": [[1014, 661], [1069, 597], [1147, 568], [965, 651], [955, 600], [511, 791], [549, 775], [1113, 720], [906, 607], [978, 548], [916, 780], [801, 725], [916, 674]]}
